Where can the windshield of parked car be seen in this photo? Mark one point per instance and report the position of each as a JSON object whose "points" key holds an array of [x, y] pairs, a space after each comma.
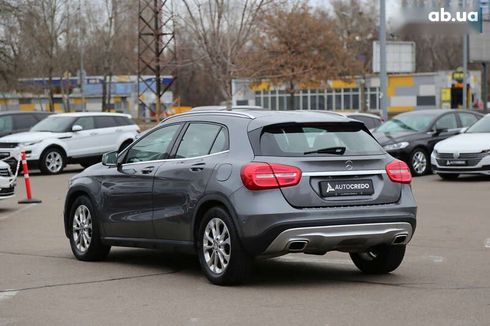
{"points": [[482, 125], [407, 122], [54, 124]]}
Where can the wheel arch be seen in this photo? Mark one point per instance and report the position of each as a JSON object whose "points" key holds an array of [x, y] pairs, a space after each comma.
{"points": [[72, 195], [57, 146], [208, 202]]}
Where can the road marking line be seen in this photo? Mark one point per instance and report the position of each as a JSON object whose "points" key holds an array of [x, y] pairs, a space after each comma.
{"points": [[437, 259], [17, 211], [7, 295], [487, 243]]}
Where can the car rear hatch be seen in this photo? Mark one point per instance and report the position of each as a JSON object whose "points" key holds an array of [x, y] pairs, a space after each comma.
{"points": [[341, 163]]}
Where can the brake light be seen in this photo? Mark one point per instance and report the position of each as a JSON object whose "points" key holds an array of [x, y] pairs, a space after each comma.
{"points": [[398, 171], [258, 176]]}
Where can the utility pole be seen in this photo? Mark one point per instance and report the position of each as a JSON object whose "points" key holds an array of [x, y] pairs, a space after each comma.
{"points": [[484, 86], [82, 50], [156, 50], [465, 66], [383, 76]]}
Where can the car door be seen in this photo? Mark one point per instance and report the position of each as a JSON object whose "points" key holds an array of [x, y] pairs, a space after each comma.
{"points": [[82, 143], [444, 127], [128, 191], [106, 135], [181, 182]]}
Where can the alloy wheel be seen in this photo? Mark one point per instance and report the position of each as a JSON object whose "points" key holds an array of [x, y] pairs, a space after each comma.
{"points": [[419, 162], [216, 245], [82, 228], [54, 162]]}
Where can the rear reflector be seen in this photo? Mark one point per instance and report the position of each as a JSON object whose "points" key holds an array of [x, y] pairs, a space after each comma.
{"points": [[257, 176], [398, 171]]}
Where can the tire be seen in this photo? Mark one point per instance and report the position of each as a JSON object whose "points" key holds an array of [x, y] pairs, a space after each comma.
{"points": [[82, 216], [213, 253], [448, 176], [419, 162], [379, 260], [124, 145], [52, 161]]}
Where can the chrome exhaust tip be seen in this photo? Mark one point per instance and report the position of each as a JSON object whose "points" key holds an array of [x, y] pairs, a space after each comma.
{"points": [[297, 246], [400, 239]]}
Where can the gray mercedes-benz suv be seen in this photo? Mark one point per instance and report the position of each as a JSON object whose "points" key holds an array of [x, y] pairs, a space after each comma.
{"points": [[232, 186]]}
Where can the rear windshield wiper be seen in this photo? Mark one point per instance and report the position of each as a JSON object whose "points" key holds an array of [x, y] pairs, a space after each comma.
{"points": [[328, 150]]}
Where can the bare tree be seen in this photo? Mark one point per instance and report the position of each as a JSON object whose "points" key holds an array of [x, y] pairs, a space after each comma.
{"points": [[297, 46], [221, 30], [43, 28]]}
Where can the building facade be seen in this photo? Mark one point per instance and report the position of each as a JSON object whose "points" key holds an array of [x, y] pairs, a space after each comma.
{"points": [[406, 92]]}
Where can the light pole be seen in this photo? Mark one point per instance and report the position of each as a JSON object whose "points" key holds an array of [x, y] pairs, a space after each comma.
{"points": [[82, 70], [465, 66], [383, 76]]}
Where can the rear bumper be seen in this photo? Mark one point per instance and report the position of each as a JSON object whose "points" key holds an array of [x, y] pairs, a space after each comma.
{"points": [[350, 237], [260, 224]]}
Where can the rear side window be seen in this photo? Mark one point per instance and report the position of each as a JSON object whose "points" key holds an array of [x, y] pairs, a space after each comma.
{"points": [[317, 140], [201, 139], [24, 121], [467, 119], [123, 121], [105, 122]]}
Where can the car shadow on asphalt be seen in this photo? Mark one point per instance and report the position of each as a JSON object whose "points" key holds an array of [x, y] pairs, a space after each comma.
{"points": [[265, 273]]}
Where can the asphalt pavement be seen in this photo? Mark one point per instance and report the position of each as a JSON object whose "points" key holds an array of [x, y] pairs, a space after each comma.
{"points": [[444, 280]]}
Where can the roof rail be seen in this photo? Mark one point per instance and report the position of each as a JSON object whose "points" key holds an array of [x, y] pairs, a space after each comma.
{"points": [[228, 113]]}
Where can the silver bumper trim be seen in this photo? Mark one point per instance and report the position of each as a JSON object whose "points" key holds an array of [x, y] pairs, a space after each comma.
{"points": [[350, 237]]}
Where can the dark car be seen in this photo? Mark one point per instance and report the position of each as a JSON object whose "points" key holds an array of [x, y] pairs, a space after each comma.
{"points": [[411, 136], [14, 122], [235, 185], [371, 121]]}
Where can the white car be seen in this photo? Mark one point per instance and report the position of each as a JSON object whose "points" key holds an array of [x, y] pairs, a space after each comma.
{"points": [[67, 138], [7, 181], [466, 153]]}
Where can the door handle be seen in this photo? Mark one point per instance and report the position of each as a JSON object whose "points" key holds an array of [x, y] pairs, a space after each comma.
{"points": [[197, 167], [147, 170], [93, 134]]}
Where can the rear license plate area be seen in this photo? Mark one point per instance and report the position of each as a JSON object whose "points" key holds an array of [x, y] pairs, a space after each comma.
{"points": [[338, 188]]}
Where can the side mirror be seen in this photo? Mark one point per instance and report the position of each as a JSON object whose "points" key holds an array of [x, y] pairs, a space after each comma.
{"points": [[463, 130], [439, 131], [76, 128], [109, 159]]}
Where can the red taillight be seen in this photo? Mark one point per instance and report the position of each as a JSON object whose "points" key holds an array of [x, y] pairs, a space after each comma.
{"points": [[257, 176], [398, 171]]}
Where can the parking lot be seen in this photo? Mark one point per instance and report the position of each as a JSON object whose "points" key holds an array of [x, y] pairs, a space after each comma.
{"points": [[444, 280]]}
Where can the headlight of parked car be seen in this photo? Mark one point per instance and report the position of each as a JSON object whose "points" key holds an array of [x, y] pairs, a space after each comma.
{"points": [[486, 152], [392, 147]]}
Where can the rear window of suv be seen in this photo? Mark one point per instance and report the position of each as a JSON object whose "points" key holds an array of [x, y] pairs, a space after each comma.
{"points": [[317, 140]]}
